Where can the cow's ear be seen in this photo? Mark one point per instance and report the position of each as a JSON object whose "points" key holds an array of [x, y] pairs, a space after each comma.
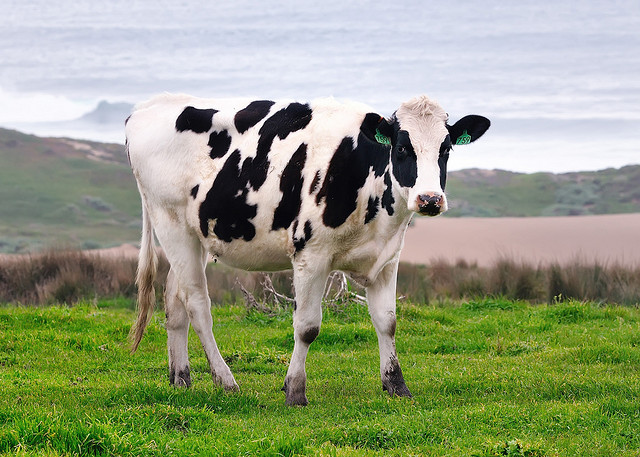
{"points": [[377, 128], [468, 129]]}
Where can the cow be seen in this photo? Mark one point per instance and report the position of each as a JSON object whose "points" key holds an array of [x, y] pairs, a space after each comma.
{"points": [[271, 185]]}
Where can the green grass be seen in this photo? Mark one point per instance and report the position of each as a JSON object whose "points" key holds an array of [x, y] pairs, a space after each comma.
{"points": [[490, 377]]}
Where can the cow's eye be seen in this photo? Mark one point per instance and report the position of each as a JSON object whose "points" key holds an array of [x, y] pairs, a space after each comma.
{"points": [[401, 151]]}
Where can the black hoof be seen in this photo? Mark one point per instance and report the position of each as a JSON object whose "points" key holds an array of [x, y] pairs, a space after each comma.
{"points": [[400, 390], [180, 379], [393, 381], [295, 392]]}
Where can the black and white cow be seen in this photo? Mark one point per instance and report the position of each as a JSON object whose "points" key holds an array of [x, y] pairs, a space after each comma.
{"points": [[266, 185]]}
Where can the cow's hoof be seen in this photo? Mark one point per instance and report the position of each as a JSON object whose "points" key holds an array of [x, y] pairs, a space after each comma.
{"points": [[393, 381], [181, 378], [231, 387], [295, 392], [228, 382], [397, 390]]}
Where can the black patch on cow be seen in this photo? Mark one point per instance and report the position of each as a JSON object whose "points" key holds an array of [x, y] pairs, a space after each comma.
{"points": [[300, 243], [252, 114], [387, 196], [404, 160], [219, 143], [291, 187], [309, 335], [378, 154], [339, 189], [307, 230], [348, 170], [443, 158], [294, 117], [226, 203], [372, 209], [391, 331], [195, 119], [314, 184], [194, 190]]}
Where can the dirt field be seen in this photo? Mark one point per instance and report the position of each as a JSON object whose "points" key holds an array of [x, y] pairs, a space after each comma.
{"points": [[607, 239]]}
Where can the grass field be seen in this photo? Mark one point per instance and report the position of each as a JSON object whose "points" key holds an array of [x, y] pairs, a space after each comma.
{"points": [[490, 377]]}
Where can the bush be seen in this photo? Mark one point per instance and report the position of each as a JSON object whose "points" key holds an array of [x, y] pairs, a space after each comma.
{"points": [[65, 276], [58, 276]]}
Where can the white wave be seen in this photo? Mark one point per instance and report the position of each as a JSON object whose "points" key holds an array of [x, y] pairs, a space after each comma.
{"points": [[22, 107]]}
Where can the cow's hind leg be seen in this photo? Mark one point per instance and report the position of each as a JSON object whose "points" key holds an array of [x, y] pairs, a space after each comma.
{"points": [[187, 258], [307, 316], [177, 334], [381, 296]]}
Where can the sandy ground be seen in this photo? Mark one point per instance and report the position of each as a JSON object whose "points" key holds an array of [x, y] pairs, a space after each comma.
{"points": [[540, 240], [535, 240]]}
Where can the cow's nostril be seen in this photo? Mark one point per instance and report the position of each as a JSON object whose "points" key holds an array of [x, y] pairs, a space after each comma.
{"points": [[430, 204], [430, 198]]}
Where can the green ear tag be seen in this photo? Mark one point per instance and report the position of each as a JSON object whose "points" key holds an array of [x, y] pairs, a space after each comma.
{"points": [[465, 138], [380, 138]]}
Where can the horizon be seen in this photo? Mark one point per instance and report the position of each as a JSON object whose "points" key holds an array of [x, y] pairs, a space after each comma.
{"points": [[455, 170]]}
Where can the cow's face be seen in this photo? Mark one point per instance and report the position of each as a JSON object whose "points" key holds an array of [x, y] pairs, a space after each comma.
{"points": [[421, 143]]}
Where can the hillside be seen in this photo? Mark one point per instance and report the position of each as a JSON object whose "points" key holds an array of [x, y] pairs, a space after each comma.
{"points": [[80, 193], [491, 193], [64, 192]]}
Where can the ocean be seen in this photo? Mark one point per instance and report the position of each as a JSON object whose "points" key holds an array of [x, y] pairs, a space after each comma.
{"points": [[559, 79]]}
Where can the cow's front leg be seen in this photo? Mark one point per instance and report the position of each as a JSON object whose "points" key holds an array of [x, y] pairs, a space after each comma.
{"points": [[177, 334], [307, 317], [381, 297]]}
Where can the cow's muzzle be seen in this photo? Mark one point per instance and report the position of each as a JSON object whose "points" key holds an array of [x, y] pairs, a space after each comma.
{"points": [[430, 204]]}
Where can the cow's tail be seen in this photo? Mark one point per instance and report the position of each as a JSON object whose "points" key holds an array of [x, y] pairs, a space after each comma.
{"points": [[147, 269]]}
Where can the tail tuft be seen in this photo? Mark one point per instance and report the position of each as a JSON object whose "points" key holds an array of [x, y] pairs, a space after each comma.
{"points": [[147, 269]]}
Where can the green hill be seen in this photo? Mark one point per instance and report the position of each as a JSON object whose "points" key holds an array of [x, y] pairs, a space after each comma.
{"points": [[80, 193], [491, 193], [64, 192]]}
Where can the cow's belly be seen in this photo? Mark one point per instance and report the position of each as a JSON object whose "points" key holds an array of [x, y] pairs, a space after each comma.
{"points": [[266, 253], [366, 259]]}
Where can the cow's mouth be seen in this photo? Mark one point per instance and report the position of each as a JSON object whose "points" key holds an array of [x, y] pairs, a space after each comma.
{"points": [[429, 210]]}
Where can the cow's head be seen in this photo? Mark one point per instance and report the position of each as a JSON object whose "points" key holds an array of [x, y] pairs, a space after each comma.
{"points": [[421, 141]]}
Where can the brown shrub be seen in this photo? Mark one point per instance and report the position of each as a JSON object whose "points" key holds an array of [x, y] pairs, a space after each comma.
{"points": [[516, 280], [67, 276]]}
